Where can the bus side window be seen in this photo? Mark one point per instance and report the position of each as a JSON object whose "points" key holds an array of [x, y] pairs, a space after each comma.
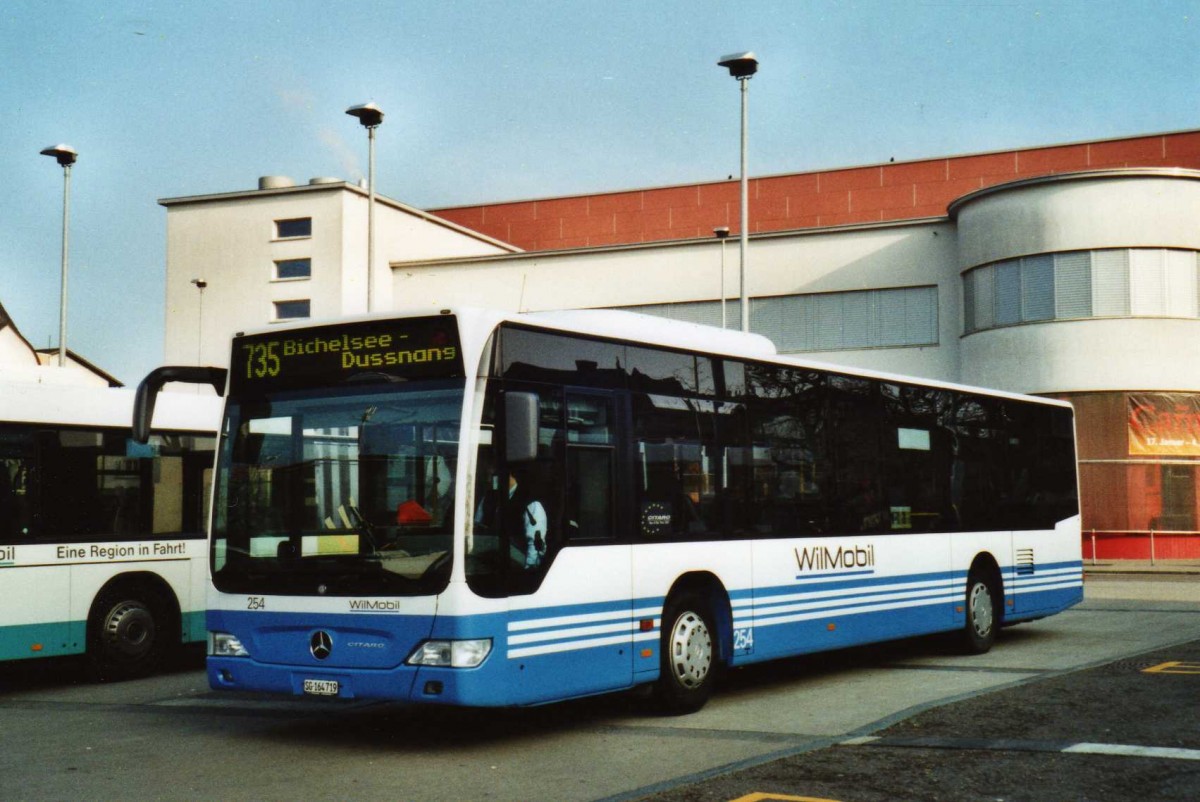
{"points": [[792, 466], [77, 500], [16, 496], [853, 420], [591, 460], [682, 454], [917, 464]]}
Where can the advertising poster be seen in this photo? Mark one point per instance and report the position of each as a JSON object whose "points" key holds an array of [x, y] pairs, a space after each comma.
{"points": [[1164, 425]]}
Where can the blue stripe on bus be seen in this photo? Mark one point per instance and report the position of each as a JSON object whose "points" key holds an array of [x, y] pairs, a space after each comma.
{"points": [[578, 627], [574, 627], [847, 581], [802, 610], [831, 575]]}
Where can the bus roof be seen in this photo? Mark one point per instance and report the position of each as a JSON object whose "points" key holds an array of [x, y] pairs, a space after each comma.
{"points": [[30, 402], [612, 323]]}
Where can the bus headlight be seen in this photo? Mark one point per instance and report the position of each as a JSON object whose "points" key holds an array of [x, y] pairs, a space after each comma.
{"points": [[451, 653], [223, 644]]}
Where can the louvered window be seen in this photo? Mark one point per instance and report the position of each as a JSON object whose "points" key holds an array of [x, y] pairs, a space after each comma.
{"points": [[1072, 286], [887, 318], [1008, 293], [1148, 282], [1179, 270], [1037, 288], [1110, 283]]}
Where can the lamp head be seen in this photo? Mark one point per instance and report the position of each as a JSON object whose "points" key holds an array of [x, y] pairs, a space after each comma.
{"points": [[740, 65], [65, 154], [200, 283], [722, 232], [368, 114]]}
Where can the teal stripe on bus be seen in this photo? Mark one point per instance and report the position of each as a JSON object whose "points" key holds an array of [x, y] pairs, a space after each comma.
{"points": [[18, 642], [193, 627]]}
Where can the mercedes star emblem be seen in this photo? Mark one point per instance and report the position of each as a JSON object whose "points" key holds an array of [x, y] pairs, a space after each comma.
{"points": [[321, 644]]}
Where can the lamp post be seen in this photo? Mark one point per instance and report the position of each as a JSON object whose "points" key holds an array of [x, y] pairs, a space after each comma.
{"points": [[722, 233], [742, 66], [66, 156], [371, 116], [200, 285]]}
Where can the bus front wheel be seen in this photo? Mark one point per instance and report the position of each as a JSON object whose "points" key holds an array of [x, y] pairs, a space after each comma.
{"points": [[983, 613], [688, 655], [126, 631]]}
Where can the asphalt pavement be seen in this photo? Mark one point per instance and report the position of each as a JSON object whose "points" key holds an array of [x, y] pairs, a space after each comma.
{"points": [[1120, 731]]}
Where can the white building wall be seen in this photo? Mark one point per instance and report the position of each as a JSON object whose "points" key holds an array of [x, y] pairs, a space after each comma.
{"points": [[15, 350], [229, 241], [231, 245], [1089, 211], [1086, 356], [20, 362], [1111, 209], [908, 255]]}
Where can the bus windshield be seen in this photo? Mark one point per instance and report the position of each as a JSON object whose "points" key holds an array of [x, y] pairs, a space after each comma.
{"points": [[342, 490]]}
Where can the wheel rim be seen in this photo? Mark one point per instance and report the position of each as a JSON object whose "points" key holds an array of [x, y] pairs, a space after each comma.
{"points": [[982, 614], [691, 650], [129, 629]]}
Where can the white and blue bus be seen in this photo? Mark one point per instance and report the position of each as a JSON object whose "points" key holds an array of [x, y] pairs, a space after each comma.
{"points": [[102, 546], [478, 508]]}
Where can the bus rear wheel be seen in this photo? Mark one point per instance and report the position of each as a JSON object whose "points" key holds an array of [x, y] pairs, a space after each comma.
{"points": [[126, 632], [983, 611], [689, 649]]}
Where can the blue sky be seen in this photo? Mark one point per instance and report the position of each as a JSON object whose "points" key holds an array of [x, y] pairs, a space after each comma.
{"points": [[490, 101]]}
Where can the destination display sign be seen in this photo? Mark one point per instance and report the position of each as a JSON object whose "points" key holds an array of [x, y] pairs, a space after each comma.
{"points": [[408, 348]]}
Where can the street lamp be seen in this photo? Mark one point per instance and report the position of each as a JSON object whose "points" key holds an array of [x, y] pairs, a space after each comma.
{"points": [[371, 116], [200, 285], [742, 66], [66, 156], [722, 233]]}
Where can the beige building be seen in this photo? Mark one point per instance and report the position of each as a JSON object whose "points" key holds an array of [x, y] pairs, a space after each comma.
{"points": [[283, 252]]}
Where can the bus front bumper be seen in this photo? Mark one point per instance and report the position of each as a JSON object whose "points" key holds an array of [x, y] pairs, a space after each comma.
{"points": [[452, 686]]}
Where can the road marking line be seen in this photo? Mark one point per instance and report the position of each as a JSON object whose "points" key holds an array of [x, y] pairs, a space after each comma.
{"points": [[1007, 745], [860, 741], [761, 797], [1173, 667], [1170, 752]]}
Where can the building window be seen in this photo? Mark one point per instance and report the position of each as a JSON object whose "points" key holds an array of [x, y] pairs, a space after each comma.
{"points": [[293, 310], [839, 321], [293, 268], [706, 313], [1143, 282], [296, 227], [832, 321]]}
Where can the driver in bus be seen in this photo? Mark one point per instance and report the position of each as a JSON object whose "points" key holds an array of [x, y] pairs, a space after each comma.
{"points": [[533, 521], [523, 513]]}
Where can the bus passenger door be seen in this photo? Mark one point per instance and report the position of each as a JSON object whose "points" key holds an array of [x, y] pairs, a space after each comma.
{"points": [[571, 630]]}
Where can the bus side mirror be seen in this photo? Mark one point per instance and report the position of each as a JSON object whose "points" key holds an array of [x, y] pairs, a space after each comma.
{"points": [[520, 427], [147, 392]]}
